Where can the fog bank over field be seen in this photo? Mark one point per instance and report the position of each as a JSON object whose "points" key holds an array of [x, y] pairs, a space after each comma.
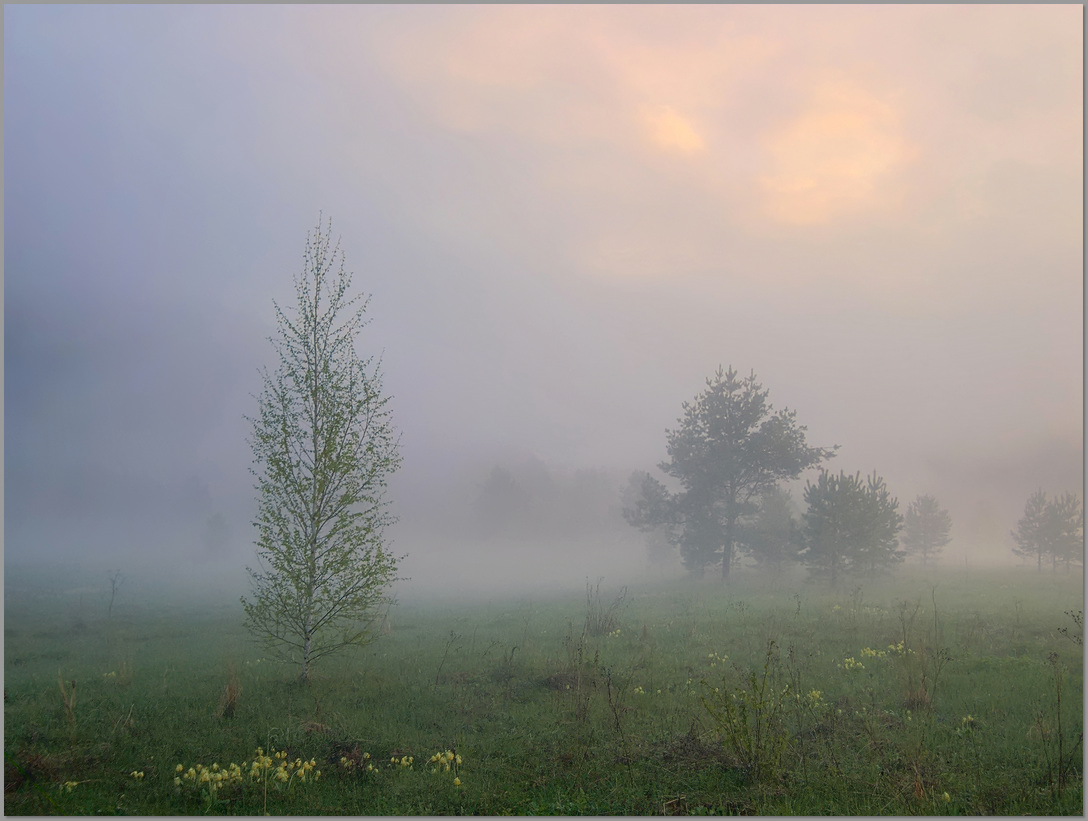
{"points": [[568, 218]]}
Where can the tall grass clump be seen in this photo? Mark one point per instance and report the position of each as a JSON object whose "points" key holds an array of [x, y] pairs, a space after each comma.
{"points": [[751, 716]]}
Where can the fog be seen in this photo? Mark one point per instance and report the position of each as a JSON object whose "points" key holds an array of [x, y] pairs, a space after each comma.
{"points": [[568, 218]]}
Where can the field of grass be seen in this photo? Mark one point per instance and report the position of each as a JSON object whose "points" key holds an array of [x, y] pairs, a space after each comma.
{"points": [[944, 695]]}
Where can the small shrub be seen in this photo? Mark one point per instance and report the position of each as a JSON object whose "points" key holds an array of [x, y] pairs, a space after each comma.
{"points": [[751, 717]]}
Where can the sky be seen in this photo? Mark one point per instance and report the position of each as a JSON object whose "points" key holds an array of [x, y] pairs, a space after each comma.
{"points": [[567, 218]]}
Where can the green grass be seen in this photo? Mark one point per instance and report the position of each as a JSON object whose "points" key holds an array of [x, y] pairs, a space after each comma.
{"points": [[552, 718]]}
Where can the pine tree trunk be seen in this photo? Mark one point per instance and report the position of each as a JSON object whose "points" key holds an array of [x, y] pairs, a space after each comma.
{"points": [[727, 551]]}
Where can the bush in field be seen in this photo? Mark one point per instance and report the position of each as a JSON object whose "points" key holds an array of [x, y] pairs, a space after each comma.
{"points": [[751, 717]]}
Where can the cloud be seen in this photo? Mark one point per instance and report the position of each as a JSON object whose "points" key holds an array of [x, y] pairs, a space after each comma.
{"points": [[841, 155], [676, 142], [670, 131]]}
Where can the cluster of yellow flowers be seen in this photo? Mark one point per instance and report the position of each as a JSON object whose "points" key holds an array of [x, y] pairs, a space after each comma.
{"points": [[350, 764], [445, 761], [852, 664], [968, 724], [364, 763], [716, 659], [215, 776], [137, 774], [893, 650], [298, 769], [615, 634], [211, 777]]}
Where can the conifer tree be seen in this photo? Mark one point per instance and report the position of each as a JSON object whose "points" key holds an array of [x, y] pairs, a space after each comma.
{"points": [[926, 528], [730, 447]]}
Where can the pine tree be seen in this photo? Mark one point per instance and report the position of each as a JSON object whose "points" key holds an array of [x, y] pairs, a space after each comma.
{"points": [[730, 447], [926, 528], [1053, 529], [850, 526], [1032, 540]]}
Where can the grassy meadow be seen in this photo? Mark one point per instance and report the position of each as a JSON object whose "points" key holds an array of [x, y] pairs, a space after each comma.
{"points": [[941, 693]]}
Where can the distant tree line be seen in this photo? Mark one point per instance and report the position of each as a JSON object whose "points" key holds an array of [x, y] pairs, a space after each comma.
{"points": [[530, 500], [728, 458]]}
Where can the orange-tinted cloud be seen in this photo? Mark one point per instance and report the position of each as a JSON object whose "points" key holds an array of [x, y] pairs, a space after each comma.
{"points": [[670, 131], [839, 156], [665, 130]]}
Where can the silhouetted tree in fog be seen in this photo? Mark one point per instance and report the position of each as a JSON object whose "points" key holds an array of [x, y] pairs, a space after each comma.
{"points": [[850, 526], [216, 534], [774, 538], [730, 448], [502, 505], [1067, 521], [926, 528], [1053, 529], [661, 538]]}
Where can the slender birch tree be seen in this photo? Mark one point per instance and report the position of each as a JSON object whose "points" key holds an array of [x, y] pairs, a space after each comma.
{"points": [[323, 446]]}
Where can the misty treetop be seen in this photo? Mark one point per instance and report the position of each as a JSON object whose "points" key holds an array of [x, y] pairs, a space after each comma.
{"points": [[323, 446], [729, 449]]}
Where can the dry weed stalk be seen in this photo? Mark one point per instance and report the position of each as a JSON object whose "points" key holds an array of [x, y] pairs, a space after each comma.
{"points": [[228, 702], [69, 701], [125, 722]]}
